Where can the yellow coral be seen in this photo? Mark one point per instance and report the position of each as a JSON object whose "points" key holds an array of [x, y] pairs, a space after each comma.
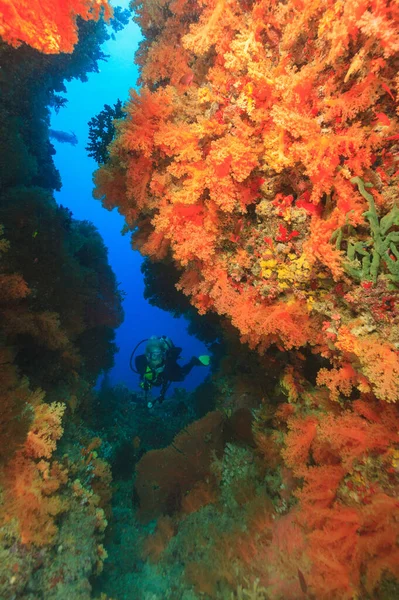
{"points": [[204, 95], [395, 460], [295, 271], [45, 430]]}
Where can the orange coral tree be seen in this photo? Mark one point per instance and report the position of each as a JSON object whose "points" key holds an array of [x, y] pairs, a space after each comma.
{"points": [[47, 26], [32, 479]]}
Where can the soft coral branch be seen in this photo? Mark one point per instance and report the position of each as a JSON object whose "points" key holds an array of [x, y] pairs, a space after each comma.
{"points": [[47, 26]]}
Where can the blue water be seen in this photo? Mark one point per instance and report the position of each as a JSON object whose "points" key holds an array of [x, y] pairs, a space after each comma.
{"points": [[85, 100]]}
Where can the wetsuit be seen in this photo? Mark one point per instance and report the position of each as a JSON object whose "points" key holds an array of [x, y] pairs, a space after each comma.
{"points": [[170, 372]]}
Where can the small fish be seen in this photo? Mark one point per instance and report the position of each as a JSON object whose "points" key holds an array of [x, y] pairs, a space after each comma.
{"points": [[63, 137], [386, 88], [383, 119], [187, 79], [302, 581]]}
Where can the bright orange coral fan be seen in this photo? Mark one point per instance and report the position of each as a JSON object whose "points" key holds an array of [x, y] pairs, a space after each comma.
{"points": [[48, 26], [165, 476]]}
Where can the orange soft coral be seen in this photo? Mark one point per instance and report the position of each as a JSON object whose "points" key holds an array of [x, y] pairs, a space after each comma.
{"points": [[259, 112], [378, 362], [346, 510], [45, 430], [46, 25], [299, 441], [339, 380], [32, 479]]}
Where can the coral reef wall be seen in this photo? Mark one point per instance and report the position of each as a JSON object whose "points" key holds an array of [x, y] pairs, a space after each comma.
{"points": [[45, 251], [260, 158], [263, 159], [59, 306]]}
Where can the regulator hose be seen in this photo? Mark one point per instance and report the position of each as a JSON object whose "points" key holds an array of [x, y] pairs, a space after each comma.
{"points": [[133, 353]]}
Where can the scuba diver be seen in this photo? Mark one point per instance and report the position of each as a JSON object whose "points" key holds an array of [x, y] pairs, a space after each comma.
{"points": [[158, 365]]}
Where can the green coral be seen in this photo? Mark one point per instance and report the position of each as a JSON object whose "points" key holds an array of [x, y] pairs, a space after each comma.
{"points": [[379, 247]]}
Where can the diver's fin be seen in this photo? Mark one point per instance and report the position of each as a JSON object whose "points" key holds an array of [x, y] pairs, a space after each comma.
{"points": [[204, 360]]}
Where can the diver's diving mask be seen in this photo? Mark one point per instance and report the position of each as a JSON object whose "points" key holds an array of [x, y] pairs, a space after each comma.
{"points": [[155, 357]]}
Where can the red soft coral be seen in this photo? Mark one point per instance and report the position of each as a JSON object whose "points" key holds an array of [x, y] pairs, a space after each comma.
{"points": [[48, 26]]}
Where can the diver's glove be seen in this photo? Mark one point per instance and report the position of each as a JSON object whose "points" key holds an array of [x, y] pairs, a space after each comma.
{"points": [[204, 360], [158, 400], [201, 361]]}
